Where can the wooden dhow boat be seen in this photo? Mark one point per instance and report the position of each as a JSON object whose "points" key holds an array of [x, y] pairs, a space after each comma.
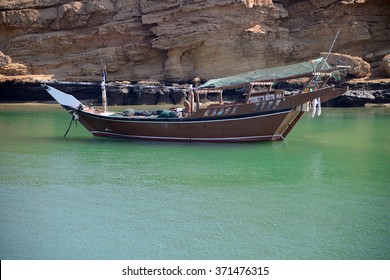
{"points": [[265, 114]]}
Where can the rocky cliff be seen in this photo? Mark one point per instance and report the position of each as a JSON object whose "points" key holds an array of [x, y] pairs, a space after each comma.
{"points": [[182, 39]]}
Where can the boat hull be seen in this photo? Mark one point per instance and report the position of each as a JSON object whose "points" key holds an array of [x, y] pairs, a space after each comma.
{"points": [[249, 128], [270, 119], [247, 125]]}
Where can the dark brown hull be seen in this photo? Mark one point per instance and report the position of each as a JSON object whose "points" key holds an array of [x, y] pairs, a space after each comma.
{"points": [[249, 128]]}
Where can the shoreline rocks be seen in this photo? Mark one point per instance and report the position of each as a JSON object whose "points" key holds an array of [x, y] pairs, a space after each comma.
{"points": [[361, 94], [358, 67]]}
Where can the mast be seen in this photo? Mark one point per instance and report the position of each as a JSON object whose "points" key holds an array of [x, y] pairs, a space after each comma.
{"points": [[331, 48]]}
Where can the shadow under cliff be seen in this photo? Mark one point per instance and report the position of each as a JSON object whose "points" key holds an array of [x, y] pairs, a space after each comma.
{"points": [[118, 94]]}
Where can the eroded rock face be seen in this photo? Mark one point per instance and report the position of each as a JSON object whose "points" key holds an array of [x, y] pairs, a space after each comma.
{"points": [[182, 39], [4, 59], [385, 66]]}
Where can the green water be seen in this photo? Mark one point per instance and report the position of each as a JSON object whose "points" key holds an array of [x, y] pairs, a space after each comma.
{"points": [[324, 193]]}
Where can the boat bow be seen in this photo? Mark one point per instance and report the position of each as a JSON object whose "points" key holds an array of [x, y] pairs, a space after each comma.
{"points": [[66, 100]]}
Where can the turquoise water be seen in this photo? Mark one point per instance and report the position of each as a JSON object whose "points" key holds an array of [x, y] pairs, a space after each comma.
{"points": [[324, 193]]}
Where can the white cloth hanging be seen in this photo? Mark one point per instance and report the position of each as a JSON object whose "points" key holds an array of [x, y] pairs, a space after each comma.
{"points": [[314, 107], [319, 107]]}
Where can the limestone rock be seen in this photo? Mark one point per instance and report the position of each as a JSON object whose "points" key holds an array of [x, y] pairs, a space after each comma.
{"points": [[325, 3], [4, 59], [359, 67], [177, 40], [385, 66], [14, 69]]}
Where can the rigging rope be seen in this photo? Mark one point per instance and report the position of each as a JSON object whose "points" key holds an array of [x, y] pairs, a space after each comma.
{"points": [[331, 47], [74, 119]]}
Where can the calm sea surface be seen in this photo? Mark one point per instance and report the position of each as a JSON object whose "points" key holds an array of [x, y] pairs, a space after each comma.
{"points": [[324, 193]]}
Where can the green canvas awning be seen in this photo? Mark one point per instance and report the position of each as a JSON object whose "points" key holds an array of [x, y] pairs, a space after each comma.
{"points": [[270, 74]]}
